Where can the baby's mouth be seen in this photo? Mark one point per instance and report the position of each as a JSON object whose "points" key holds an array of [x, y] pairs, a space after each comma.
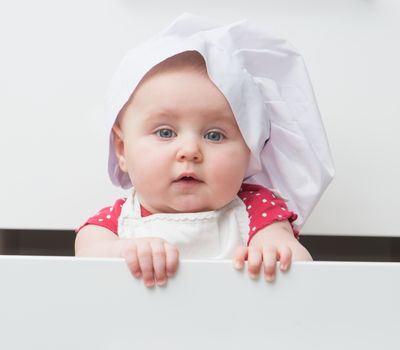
{"points": [[187, 179]]}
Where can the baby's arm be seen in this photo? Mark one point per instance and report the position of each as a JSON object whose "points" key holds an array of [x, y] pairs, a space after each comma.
{"points": [[276, 242], [152, 258]]}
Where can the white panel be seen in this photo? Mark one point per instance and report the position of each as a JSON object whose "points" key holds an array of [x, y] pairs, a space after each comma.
{"points": [[57, 58], [67, 303]]}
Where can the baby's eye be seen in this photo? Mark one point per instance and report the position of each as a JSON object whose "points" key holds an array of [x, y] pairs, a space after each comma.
{"points": [[166, 133], [214, 136]]}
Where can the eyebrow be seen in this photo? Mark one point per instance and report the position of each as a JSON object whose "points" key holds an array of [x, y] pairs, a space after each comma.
{"points": [[216, 115], [157, 113]]}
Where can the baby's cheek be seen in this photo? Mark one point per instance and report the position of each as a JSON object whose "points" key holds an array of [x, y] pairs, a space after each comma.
{"points": [[233, 166], [147, 172], [228, 179]]}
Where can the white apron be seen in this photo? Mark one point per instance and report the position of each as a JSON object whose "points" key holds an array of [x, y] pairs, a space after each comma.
{"points": [[204, 235]]}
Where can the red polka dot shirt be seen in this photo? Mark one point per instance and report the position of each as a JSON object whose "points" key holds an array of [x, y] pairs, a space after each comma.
{"points": [[263, 208]]}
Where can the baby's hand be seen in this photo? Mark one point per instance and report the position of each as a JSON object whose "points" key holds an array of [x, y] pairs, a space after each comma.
{"points": [[276, 242], [154, 259], [266, 256]]}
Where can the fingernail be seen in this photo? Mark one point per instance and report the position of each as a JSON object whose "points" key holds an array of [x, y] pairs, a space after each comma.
{"points": [[149, 283], [253, 276], [161, 282], [269, 278], [170, 274], [237, 265]]}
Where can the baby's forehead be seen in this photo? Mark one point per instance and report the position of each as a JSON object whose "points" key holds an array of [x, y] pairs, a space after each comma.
{"points": [[174, 77], [185, 98]]}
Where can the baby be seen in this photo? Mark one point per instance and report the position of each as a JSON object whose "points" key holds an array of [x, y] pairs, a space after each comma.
{"points": [[185, 149]]}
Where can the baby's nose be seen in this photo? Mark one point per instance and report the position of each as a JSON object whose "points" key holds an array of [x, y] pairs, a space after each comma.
{"points": [[189, 151]]}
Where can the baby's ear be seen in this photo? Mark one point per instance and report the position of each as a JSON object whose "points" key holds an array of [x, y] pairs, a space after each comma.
{"points": [[119, 149]]}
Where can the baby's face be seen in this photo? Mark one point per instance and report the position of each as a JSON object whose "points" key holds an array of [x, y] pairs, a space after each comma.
{"points": [[180, 144]]}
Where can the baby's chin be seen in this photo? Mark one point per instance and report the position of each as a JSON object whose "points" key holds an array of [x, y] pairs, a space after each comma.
{"points": [[193, 205], [187, 208]]}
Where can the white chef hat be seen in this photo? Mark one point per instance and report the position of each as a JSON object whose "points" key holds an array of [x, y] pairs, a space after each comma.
{"points": [[267, 86]]}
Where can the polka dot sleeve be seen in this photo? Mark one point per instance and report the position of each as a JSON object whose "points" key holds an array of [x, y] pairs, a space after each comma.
{"points": [[264, 208], [106, 217]]}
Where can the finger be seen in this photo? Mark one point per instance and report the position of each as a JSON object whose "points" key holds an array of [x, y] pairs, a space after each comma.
{"points": [[254, 262], [131, 259], [239, 257], [158, 255], [146, 263], [269, 261], [285, 257], [172, 259]]}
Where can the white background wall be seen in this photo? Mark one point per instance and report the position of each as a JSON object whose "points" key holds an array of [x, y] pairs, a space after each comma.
{"points": [[57, 57]]}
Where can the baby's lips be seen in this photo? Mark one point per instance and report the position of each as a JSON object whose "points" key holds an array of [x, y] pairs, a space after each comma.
{"points": [[188, 175]]}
